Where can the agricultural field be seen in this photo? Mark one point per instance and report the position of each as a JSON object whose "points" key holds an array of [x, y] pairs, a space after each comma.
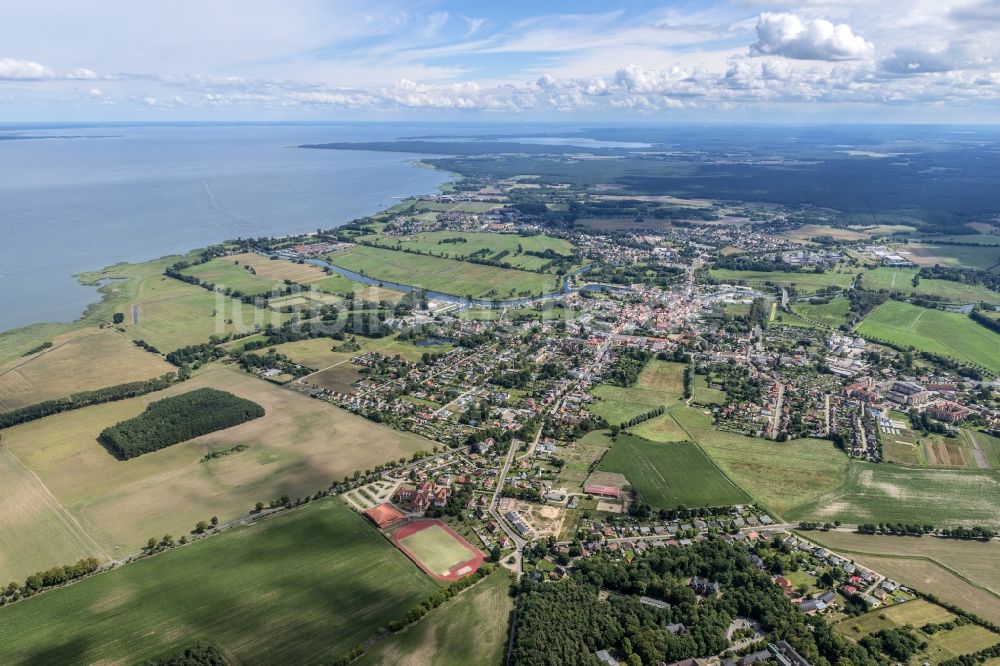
{"points": [[782, 476], [468, 629], [941, 645], [475, 242], [280, 269], [178, 316], [887, 493], [947, 333], [663, 428], [982, 257], [831, 314], [704, 394], [579, 456], [901, 279], [227, 273], [319, 353], [988, 237], [303, 588], [809, 231], [666, 475], [36, 529], [930, 577], [907, 447], [83, 360], [460, 206], [376, 294], [972, 560], [660, 384], [806, 282], [449, 276], [299, 446]]}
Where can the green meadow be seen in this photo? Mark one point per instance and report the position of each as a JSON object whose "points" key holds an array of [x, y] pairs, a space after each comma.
{"points": [[302, 588], [947, 333], [449, 276]]}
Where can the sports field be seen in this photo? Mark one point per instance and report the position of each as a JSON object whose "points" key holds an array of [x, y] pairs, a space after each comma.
{"points": [[437, 549], [449, 276], [83, 360], [669, 474], [946, 333], [302, 588], [300, 446], [468, 629], [660, 383], [888, 493], [484, 244]]}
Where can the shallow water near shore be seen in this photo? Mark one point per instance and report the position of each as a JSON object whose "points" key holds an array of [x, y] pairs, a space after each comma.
{"points": [[75, 199]]}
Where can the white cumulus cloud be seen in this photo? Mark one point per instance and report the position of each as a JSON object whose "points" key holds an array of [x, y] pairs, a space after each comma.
{"points": [[787, 35], [13, 69]]}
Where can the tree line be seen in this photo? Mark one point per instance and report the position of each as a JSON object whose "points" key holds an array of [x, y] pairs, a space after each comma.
{"points": [[41, 580], [178, 419], [85, 399]]}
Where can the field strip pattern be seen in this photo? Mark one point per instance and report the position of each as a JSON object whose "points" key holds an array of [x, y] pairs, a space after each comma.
{"points": [[923, 558], [57, 508]]}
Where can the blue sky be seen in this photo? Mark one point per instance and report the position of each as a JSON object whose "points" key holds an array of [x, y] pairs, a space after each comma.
{"points": [[726, 60]]}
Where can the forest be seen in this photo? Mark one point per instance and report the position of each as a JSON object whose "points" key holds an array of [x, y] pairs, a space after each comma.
{"points": [[177, 419], [566, 623]]}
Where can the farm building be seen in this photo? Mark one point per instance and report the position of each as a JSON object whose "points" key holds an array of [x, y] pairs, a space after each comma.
{"points": [[603, 491]]}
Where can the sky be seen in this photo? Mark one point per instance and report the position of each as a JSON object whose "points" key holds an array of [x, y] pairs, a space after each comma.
{"points": [[702, 60]]}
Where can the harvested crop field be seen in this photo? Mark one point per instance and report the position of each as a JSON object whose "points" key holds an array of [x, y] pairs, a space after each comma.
{"points": [[301, 445], [81, 361], [887, 493], [972, 560], [279, 269]]}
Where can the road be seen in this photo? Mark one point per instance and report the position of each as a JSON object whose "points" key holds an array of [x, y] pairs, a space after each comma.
{"points": [[826, 414], [519, 542], [776, 417]]}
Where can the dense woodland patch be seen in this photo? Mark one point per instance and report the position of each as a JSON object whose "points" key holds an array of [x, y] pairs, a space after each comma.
{"points": [[177, 419]]}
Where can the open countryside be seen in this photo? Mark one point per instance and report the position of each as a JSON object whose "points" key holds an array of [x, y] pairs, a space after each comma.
{"points": [[299, 446], [330, 575]]}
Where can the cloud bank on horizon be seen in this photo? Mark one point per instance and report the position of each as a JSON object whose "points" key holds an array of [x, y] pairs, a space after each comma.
{"points": [[312, 59]]}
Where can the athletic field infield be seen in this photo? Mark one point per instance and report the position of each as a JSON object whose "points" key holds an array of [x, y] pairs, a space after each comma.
{"points": [[437, 549]]}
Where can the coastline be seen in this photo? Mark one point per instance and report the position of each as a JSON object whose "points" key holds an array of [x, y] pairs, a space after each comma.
{"points": [[14, 342]]}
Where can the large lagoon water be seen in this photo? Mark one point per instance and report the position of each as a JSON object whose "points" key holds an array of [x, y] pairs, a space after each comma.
{"points": [[74, 199]]}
